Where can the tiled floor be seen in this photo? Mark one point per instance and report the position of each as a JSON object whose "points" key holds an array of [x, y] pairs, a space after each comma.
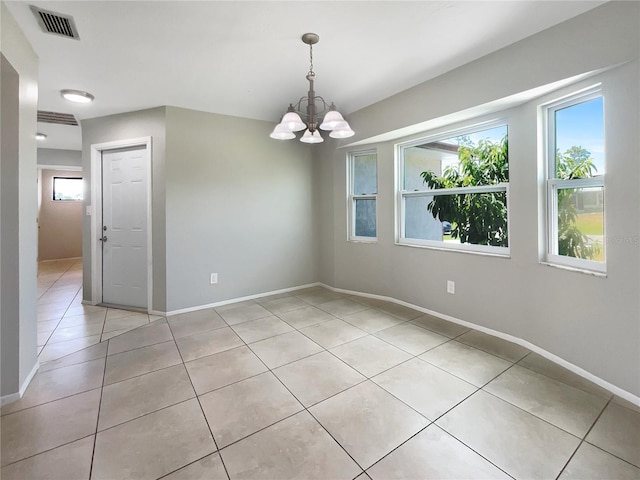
{"points": [[314, 385]]}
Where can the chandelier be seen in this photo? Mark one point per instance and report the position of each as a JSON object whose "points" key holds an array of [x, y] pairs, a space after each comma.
{"points": [[311, 108]]}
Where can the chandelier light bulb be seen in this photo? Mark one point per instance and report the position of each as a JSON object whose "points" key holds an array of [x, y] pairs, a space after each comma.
{"points": [[312, 137], [331, 119], [281, 132], [293, 122], [342, 130]]}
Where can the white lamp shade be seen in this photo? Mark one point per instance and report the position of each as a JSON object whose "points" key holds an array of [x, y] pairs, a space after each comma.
{"points": [[310, 137], [293, 122], [281, 132], [331, 119], [342, 130]]}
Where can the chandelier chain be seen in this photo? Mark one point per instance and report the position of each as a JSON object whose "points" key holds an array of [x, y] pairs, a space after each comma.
{"points": [[311, 59]]}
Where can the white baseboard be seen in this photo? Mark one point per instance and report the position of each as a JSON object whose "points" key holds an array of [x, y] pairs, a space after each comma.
{"points": [[510, 338], [12, 397]]}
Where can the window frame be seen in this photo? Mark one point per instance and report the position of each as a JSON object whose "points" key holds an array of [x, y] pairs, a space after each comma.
{"points": [[402, 194], [352, 197], [53, 189], [553, 184]]}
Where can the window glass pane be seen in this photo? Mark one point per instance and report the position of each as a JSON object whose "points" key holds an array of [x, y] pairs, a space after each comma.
{"points": [[365, 217], [364, 175], [473, 218], [581, 223], [579, 140], [479, 158], [67, 188]]}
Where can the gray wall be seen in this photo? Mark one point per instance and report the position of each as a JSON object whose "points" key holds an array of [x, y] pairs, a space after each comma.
{"points": [[59, 222], [18, 207], [122, 127], [589, 321], [238, 204], [49, 157]]}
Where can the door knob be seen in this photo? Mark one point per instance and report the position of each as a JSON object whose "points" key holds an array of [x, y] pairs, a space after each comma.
{"points": [[103, 239]]}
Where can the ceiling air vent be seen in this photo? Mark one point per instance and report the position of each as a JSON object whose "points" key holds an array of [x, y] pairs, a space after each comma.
{"points": [[58, 118], [56, 23]]}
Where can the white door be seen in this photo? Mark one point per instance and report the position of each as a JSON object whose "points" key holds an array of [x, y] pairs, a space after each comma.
{"points": [[124, 227]]}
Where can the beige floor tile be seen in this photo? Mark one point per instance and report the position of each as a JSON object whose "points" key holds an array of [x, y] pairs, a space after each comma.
{"points": [[400, 311], [625, 403], [48, 426], [208, 343], [424, 387], [156, 332], [54, 351], [368, 421], [591, 463], [243, 408], [71, 461], [234, 305], [113, 313], [85, 310], [539, 364], [411, 338], [130, 322], [268, 453], [191, 323], [256, 330], [564, 406], [332, 333], [82, 319], [48, 316], [517, 442], [319, 296], [208, 468], [42, 338], [79, 331], [56, 384], [465, 362], [153, 445], [132, 398], [342, 307], [115, 333], [222, 369], [283, 305], [243, 313], [285, 348], [372, 302], [617, 431], [317, 377], [438, 325], [370, 355], [363, 476], [493, 345], [434, 455], [48, 326], [268, 298], [140, 361], [85, 355], [306, 317], [372, 320]]}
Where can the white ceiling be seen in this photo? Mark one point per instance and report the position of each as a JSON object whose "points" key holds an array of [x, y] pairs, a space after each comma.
{"points": [[245, 58]]}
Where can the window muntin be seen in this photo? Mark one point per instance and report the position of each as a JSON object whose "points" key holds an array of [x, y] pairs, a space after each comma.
{"points": [[363, 190], [463, 180], [575, 182], [67, 189]]}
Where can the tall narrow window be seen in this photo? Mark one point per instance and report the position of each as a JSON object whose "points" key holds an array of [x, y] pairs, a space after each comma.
{"points": [[363, 190], [575, 182], [453, 191], [67, 188]]}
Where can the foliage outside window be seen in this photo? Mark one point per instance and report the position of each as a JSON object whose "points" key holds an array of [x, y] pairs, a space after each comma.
{"points": [[67, 188], [575, 182], [363, 189], [453, 191]]}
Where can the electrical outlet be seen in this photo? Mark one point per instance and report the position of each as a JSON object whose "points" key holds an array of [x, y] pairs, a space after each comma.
{"points": [[213, 279], [451, 287]]}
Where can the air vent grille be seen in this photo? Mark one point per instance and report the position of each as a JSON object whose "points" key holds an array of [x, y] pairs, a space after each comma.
{"points": [[56, 23], [58, 118]]}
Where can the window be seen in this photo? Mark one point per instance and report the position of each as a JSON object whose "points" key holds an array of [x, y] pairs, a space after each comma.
{"points": [[575, 181], [67, 188], [453, 191], [363, 189]]}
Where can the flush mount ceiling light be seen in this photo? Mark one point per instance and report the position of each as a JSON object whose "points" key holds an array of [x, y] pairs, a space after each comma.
{"points": [[77, 96], [311, 108], [40, 136]]}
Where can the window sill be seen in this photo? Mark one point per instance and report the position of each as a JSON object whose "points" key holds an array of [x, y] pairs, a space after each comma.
{"points": [[362, 240], [575, 269], [506, 255]]}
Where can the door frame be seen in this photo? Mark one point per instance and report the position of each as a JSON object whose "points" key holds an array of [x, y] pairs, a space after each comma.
{"points": [[95, 210]]}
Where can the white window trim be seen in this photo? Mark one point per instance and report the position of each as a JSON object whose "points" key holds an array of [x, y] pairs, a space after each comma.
{"points": [[352, 197], [553, 184], [402, 194]]}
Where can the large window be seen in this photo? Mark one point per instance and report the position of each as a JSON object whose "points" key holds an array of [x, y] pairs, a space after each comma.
{"points": [[67, 188], [363, 189], [575, 181], [453, 191]]}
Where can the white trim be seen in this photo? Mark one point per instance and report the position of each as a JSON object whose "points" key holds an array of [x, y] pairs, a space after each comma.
{"points": [[12, 397], [69, 168], [505, 336], [96, 218]]}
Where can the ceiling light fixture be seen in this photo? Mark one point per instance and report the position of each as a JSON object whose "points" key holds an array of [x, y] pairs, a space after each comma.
{"points": [[77, 96], [40, 136], [310, 108]]}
